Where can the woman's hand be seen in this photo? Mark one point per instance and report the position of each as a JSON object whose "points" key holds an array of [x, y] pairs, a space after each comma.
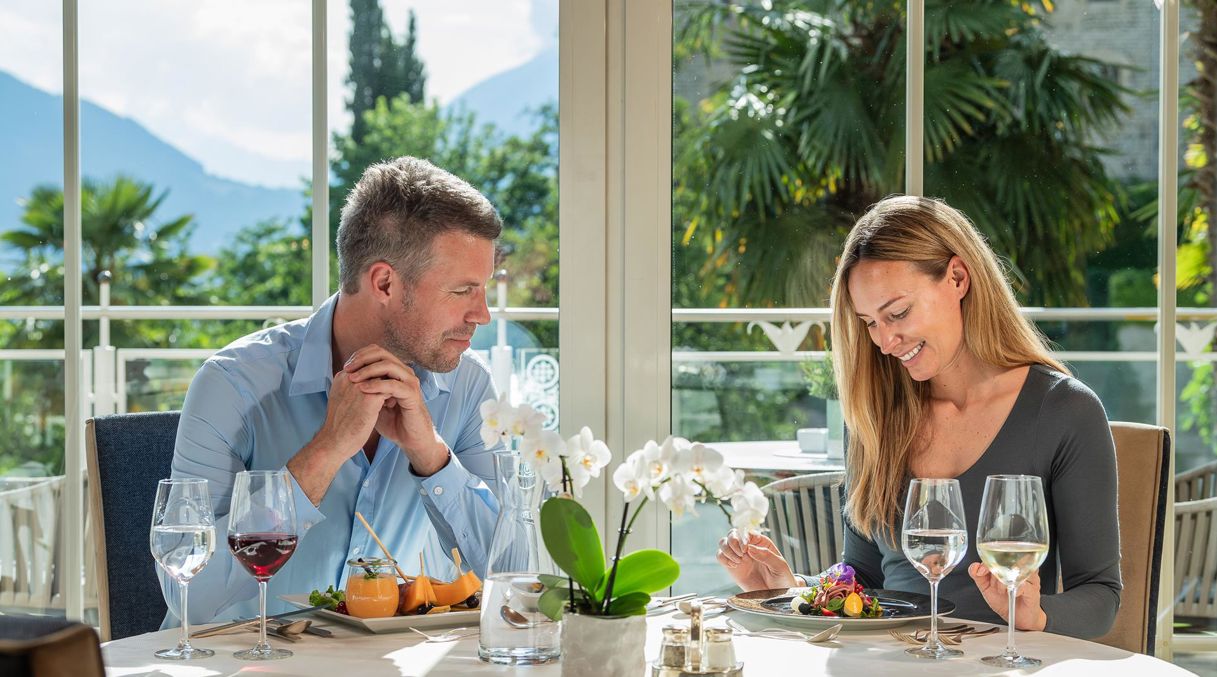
{"points": [[1027, 612], [754, 562]]}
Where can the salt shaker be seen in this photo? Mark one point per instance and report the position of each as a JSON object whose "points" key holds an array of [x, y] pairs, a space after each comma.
{"points": [[719, 654]]}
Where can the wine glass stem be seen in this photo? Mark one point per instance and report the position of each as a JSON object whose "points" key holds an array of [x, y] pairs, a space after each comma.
{"points": [[1012, 590], [185, 643], [262, 614], [933, 640]]}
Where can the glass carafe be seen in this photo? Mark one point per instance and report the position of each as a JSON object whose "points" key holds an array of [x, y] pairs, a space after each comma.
{"points": [[513, 629]]}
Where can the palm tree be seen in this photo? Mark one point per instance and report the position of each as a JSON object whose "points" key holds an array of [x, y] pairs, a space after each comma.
{"points": [[778, 161], [147, 257]]}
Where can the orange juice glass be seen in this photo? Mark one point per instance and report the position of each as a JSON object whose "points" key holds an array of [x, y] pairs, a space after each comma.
{"points": [[371, 588]]}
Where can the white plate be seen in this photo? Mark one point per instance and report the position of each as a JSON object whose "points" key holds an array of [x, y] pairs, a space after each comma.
{"points": [[390, 623], [902, 607]]}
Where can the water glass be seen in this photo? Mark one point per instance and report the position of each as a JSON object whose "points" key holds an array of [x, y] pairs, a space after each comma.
{"points": [[934, 538], [182, 539], [1012, 540], [262, 536]]}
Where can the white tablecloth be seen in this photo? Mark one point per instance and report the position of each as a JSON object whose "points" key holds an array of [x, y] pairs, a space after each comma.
{"points": [[352, 653]]}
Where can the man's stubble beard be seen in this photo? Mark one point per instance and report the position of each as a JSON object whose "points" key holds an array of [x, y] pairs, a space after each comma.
{"points": [[412, 348]]}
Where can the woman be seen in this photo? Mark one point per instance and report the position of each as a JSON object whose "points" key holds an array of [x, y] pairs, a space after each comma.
{"points": [[941, 376]]}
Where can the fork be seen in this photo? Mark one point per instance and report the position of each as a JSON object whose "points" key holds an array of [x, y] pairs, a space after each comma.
{"points": [[449, 636]]}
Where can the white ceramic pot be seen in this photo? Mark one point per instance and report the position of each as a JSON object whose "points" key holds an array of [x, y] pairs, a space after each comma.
{"points": [[603, 646]]}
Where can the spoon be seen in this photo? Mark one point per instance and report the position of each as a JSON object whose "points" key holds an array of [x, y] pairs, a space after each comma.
{"points": [[518, 620]]}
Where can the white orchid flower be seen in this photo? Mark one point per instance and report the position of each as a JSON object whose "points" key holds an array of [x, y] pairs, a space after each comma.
{"points": [[661, 457], [698, 462], [632, 478], [725, 482], [543, 450], [749, 508], [680, 495], [498, 420], [587, 453], [527, 421]]}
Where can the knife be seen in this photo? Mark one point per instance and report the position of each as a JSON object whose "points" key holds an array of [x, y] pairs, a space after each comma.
{"points": [[240, 624]]}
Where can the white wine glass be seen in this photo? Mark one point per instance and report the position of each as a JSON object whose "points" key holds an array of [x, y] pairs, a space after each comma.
{"points": [[1012, 540], [262, 536], [182, 538], [934, 537]]}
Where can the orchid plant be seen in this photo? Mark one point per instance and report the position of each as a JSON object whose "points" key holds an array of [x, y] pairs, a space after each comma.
{"points": [[676, 472]]}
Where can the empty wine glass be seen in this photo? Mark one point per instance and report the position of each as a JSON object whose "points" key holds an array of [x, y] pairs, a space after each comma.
{"points": [[1012, 540], [935, 539], [182, 539], [262, 536]]}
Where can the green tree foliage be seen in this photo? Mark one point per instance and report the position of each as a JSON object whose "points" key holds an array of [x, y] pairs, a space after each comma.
{"points": [[517, 174], [776, 163], [121, 233], [381, 67]]}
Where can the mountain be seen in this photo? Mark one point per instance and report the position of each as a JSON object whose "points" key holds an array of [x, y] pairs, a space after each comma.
{"points": [[509, 99], [31, 129]]}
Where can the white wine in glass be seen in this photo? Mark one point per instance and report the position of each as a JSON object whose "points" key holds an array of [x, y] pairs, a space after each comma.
{"points": [[934, 537], [1012, 540], [182, 538]]}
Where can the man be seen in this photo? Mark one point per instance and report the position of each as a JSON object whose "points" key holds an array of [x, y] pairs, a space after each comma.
{"points": [[371, 403]]}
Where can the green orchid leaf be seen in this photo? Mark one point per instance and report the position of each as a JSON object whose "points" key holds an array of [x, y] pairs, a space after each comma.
{"points": [[633, 604], [552, 602], [572, 540], [551, 581], [642, 571]]}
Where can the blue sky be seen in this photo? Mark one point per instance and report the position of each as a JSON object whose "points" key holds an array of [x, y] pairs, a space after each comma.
{"points": [[228, 81]]}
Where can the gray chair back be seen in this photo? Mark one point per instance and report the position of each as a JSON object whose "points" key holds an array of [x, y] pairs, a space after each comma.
{"points": [[1197, 483], [1196, 559], [805, 520], [127, 455]]}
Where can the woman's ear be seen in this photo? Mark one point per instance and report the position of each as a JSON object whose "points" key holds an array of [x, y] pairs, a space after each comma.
{"points": [[959, 277]]}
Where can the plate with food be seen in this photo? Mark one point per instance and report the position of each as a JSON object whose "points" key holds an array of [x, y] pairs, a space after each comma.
{"points": [[838, 598], [375, 601]]}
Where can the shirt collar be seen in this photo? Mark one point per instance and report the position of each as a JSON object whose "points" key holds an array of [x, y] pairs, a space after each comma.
{"points": [[314, 367]]}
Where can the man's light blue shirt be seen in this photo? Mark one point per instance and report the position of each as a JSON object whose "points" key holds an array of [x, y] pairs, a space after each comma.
{"points": [[258, 401]]}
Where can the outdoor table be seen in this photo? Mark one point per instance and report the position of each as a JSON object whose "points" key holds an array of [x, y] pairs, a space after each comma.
{"points": [[354, 652]]}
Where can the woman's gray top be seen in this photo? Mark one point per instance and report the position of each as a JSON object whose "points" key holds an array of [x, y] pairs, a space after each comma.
{"points": [[1057, 430]]}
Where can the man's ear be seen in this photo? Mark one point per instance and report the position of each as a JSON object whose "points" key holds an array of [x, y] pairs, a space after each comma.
{"points": [[381, 281]]}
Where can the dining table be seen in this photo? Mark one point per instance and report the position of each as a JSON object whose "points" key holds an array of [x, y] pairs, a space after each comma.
{"points": [[351, 651]]}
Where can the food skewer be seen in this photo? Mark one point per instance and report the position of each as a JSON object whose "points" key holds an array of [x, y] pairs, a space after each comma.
{"points": [[383, 549]]}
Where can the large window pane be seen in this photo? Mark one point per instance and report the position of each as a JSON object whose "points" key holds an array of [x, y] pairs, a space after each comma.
{"points": [[474, 90], [1196, 278], [788, 123], [195, 151], [32, 553]]}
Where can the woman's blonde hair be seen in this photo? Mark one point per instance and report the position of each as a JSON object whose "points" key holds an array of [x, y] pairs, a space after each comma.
{"points": [[882, 405]]}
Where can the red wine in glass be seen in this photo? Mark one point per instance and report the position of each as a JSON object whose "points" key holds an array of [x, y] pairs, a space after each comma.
{"points": [[262, 554]]}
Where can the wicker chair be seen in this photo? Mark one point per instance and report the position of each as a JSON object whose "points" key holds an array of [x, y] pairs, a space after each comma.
{"points": [[805, 520]]}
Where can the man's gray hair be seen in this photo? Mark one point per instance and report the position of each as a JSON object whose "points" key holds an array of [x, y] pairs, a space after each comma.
{"points": [[395, 213]]}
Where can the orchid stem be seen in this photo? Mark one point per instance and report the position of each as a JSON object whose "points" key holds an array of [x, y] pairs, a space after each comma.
{"points": [[621, 534]]}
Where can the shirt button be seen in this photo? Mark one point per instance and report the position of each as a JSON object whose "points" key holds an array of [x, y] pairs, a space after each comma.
{"points": [[308, 525], [422, 492], [366, 483], [438, 491]]}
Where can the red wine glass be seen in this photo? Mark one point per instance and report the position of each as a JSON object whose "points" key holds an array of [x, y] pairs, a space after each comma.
{"points": [[262, 536]]}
